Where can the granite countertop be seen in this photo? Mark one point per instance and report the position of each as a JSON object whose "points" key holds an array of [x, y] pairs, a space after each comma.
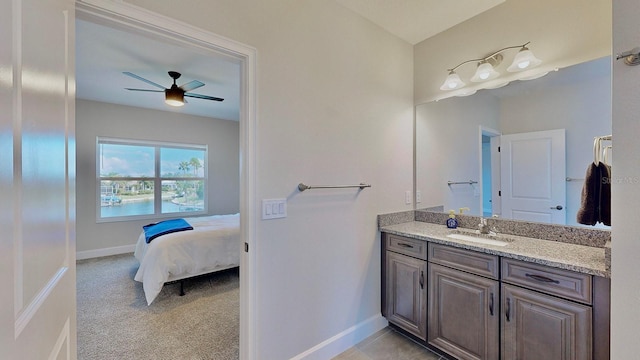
{"points": [[579, 258]]}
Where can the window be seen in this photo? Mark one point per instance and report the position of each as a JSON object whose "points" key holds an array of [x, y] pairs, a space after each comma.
{"points": [[142, 180]]}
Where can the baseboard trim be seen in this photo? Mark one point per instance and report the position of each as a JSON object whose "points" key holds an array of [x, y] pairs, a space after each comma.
{"points": [[89, 254], [345, 340]]}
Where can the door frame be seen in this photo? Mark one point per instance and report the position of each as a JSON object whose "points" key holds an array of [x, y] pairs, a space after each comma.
{"points": [[133, 18], [492, 133]]}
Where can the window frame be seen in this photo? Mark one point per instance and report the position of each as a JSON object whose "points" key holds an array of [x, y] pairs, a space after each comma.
{"points": [[157, 178]]}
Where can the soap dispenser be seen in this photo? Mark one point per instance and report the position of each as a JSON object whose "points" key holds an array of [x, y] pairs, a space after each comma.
{"points": [[452, 222]]}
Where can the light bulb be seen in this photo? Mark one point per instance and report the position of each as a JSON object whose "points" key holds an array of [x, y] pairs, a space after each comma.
{"points": [[524, 59], [174, 102], [452, 82], [484, 72]]}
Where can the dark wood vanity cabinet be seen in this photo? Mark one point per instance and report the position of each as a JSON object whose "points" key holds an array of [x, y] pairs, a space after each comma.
{"points": [[547, 313], [463, 313], [405, 284], [464, 308], [473, 305], [539, 326]]}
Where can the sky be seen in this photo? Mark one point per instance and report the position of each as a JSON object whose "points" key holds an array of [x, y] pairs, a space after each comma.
{"points": [[138, 161]]}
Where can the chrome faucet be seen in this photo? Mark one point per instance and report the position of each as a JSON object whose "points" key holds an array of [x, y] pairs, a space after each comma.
{"points": [[483, 227]]}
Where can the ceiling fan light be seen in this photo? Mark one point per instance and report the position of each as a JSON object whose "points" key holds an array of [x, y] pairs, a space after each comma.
{"points": [[452, 82], [174, 97], [484, 72], [174, 102], [524, 59]]}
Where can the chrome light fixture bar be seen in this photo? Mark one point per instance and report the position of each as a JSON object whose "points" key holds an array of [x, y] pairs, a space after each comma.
{"points": [[523, 60]]}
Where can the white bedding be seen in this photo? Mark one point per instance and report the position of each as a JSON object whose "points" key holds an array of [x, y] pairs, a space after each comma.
{"points": [[213, 244]]}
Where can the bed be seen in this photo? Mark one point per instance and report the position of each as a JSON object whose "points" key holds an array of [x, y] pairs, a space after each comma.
{"points": [[213, 245]]}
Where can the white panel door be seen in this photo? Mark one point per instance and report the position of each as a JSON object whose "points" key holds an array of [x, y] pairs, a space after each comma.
{"points": [[37, 180], [533, 178]]}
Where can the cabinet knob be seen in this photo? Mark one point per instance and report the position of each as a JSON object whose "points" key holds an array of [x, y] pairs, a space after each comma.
{"points": [[557, 207]]}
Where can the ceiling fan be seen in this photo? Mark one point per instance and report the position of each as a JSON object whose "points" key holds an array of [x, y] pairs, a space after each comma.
{"points": [[175, 95]]}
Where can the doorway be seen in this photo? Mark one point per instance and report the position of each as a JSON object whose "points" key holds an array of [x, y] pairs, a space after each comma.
{"points": [[133, 19], [489, 172]]}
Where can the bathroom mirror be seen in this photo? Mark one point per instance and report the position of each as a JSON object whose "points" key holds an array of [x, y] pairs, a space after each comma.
{"points": [[566, 108], [457, 163]]}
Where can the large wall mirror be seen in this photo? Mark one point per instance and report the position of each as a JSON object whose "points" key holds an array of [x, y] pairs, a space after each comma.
{"points": [[457, 160], [556, 116]]}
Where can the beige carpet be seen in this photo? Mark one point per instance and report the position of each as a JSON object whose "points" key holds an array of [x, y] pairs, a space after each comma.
{"points": [[114, 321]]}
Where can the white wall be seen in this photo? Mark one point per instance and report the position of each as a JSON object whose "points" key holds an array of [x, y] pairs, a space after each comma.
{"points": [[625, 190], [335, 106], [101, 119], [448, 149]]}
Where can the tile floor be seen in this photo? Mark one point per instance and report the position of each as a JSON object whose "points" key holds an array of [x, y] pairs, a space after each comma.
{"points": [[387, 344]]}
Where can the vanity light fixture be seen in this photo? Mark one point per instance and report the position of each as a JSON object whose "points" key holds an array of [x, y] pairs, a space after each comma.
{"points": [[485, 71]]}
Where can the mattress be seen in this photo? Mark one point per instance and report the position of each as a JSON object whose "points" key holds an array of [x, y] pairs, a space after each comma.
{"points": [[212, 245]]}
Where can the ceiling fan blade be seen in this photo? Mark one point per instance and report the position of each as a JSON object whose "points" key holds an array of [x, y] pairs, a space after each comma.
{"points": [[205, 97], [144, 90], [143, 79], [191, 85]]}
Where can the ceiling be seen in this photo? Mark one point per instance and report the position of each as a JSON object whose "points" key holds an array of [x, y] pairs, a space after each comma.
{"points": [[102, 56], [416, 20]]}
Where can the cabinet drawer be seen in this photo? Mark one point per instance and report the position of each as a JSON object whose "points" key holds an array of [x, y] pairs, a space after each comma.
{"points": [[466, 260], [564, 283], [407, 246]]}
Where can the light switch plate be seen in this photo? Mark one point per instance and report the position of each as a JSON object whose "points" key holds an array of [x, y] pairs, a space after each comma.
{"points": [[274, 209]]}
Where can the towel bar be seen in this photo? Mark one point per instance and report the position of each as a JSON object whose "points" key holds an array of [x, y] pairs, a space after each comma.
{"points": [[470, 182], [303, 187], [631, 57]]}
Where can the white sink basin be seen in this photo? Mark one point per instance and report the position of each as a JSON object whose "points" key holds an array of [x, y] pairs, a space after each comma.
{"points": [[477, 239]]}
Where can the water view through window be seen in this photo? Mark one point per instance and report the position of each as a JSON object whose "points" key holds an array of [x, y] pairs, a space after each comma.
{"points": [[133, 177], [141, 207]]}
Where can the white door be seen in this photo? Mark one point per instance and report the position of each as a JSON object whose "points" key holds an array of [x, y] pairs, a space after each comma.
{"points": [[533, 178], [37, 180]]}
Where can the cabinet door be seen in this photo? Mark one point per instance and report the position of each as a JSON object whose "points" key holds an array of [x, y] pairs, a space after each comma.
{"points": [[406, 293], [463, 313], [538, 326]]}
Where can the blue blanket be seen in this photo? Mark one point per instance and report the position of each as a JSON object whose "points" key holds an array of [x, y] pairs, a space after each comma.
{"points": [[152, 231]]}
